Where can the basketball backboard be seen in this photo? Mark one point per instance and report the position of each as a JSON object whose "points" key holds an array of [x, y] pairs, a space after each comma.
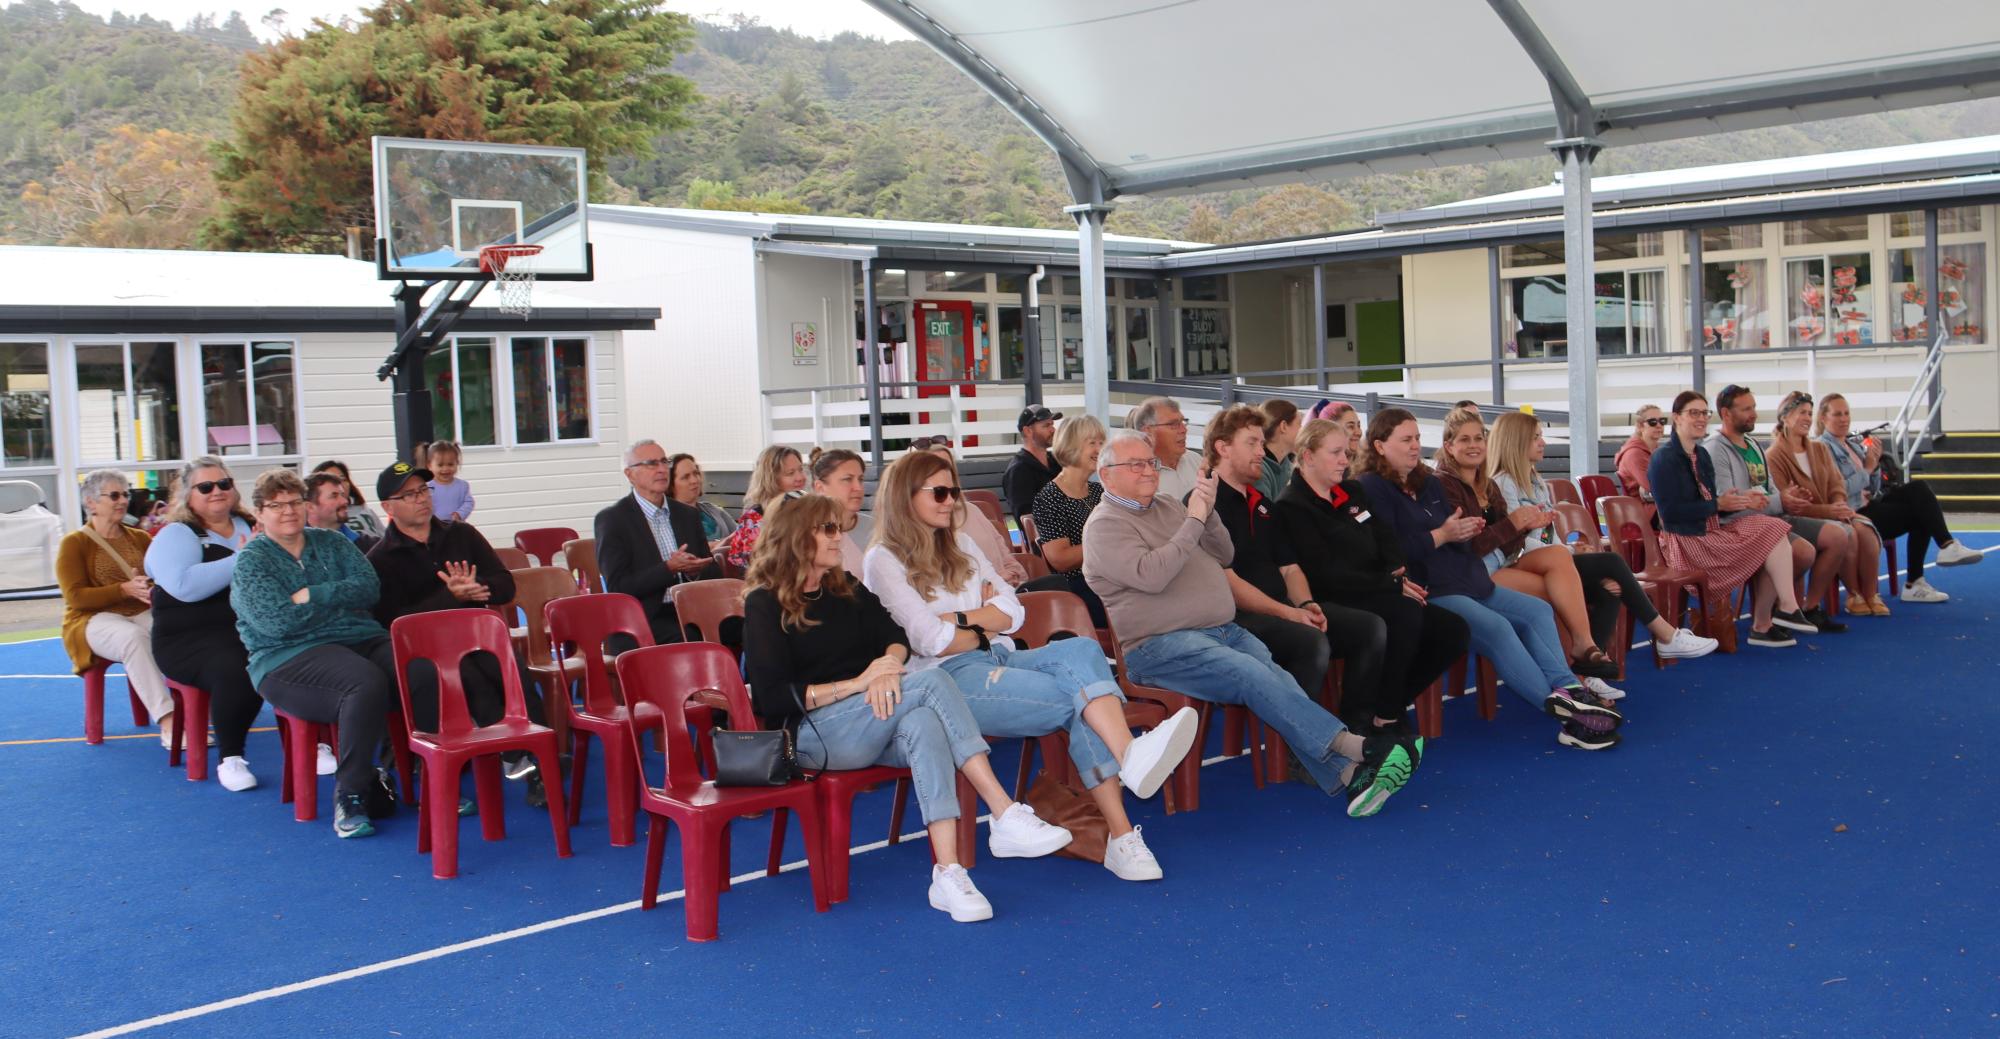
{"points": [[438, 202]]}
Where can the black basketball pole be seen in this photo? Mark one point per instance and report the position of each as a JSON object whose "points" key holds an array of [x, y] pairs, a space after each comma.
{"points": [[412, 392]]}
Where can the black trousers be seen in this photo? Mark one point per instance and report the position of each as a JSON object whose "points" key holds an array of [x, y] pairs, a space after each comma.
{"points": [[1912, 509], [351, 686], [1298, 648], [1602, 606], [222, 669], [1418, 642]]}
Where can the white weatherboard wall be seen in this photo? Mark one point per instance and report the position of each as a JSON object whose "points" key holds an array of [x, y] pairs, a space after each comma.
{"points": [[809, 290], [691, 383], [346, 412]]}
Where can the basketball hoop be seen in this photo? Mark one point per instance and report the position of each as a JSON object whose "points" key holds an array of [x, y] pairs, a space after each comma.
{"points": [[517, 287]]}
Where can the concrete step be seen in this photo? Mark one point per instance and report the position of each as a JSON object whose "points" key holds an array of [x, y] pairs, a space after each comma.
{"points": [[1969, 502], [1938, 463]]}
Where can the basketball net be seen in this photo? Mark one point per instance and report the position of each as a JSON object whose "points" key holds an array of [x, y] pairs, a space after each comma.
{"points": [[517, 286]]}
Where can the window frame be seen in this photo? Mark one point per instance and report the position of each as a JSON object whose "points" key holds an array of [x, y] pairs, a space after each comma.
{"points": [[51, 358], [194, 348]]}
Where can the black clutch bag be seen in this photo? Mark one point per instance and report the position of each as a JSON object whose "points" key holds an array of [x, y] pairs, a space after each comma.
{"points": [[756, 757]]}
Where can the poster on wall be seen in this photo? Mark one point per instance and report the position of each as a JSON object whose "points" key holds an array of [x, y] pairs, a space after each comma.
{"points": [[805, 342]]}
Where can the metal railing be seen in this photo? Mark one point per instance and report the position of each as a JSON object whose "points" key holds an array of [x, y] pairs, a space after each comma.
{"points": [[1909, 432]]}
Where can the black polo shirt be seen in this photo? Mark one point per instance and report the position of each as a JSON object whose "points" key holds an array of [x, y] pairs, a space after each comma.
{"points": [[1261, 548], [1025, 478]]}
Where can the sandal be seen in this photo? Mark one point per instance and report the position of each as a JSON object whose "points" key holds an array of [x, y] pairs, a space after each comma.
{"points": [[1593, 663]]}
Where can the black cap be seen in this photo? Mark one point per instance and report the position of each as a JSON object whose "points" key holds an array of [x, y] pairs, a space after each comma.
{"points": [[394, 477], [1030, 416]]}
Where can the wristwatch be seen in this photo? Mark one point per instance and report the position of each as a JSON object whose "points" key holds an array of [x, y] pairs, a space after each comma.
{"points": [[961, 619]]}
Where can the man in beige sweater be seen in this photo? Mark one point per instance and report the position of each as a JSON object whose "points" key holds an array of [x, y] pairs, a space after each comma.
{"points": [[1158, 566]]}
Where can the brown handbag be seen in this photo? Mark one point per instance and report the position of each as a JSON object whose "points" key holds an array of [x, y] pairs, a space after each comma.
{"points": [[1056, 802]]}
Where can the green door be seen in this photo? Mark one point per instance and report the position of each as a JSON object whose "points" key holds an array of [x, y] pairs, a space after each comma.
{"points": [[1378, 338]]}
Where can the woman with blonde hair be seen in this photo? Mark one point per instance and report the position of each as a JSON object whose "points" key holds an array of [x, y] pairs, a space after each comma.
{"points": [[1066, 502], [992, 541], [779, 471], [1798, 461], [829, 664], [107, 597], [957, 612], [191, 561], [1649, 427]]}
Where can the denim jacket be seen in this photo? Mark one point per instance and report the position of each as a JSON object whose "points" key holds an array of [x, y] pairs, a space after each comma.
{"points": [[1852, 474]]}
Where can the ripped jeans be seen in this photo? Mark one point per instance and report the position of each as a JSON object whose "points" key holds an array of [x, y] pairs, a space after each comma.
{"points": [[930, 733], [1034, 692]]}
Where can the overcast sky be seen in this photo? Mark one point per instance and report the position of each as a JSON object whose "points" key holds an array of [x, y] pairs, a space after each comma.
{"points": [[821, 18]]}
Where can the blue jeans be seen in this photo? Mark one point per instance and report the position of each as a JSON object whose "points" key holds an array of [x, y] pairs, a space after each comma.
{"points": [[1517, 633], [931, 733], [1227, 665], [1034, 692]]}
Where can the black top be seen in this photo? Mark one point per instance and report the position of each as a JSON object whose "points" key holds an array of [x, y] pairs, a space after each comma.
{"points": [[1060, 517], [408, 569], [630, 561], [1261, 548], [1345, 547], [1443, 569], [850, 634], [1026, 475], [1683, 510], [184, 629]]}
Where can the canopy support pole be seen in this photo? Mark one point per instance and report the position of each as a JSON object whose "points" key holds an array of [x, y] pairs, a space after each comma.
{"points": [[1493, 317], [1697, 311], [871, 361], [1090, 272], [1319, 322], [1580, 299], [1031, 335]]}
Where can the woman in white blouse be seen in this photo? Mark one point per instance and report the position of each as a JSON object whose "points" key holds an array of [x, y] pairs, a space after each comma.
{"points": [[957, 612]]}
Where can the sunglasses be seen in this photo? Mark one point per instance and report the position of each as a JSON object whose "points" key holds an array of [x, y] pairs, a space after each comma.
{"points": [[116, 495], [829, 529], [927, 443], [1656, 422], [211, 486], [942, 494]]}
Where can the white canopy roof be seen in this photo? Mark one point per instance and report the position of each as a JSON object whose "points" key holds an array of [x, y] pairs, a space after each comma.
{"points": [[1168, 96]]}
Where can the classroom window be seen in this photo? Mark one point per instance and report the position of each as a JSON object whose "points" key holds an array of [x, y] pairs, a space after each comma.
{"points": [[249, 398], [27, 432], [128, 409]]}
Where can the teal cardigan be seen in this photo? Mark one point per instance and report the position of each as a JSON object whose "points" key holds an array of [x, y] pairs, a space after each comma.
{"points": [[273, 627]]}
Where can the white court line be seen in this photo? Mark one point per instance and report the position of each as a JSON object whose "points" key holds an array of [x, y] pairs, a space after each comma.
{"points": [[113, 675]]}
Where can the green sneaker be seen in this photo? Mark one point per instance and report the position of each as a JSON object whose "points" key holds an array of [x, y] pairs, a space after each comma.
{"points": [[1387, 762], [350, 816]]}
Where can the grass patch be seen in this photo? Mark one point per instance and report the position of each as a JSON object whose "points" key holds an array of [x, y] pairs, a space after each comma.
{"points": [[25, 636]]}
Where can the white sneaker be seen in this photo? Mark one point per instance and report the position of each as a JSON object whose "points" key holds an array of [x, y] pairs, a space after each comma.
{"points": [[1020, 835], [1956, 554], [166, 723], [1920, 590], [952, 891], [1154, 755], [327, 765], [234, 775], [1685, 645], [1603, 690], [1128, 858]]}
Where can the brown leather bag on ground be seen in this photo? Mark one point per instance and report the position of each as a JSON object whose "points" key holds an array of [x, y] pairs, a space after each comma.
{"points": [[1056, 802]]}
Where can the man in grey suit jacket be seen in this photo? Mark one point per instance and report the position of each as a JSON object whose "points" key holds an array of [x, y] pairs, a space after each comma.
{"points": [[1817, 545]]}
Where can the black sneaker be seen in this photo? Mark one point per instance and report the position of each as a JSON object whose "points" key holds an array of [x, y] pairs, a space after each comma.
{"points": [[350, 816], [1387, 762], [519, 767], [1582, 737], [1817, 615], [380, 800], [538, 795], [1603, 667], [1795, 620], [1773, 637], [1583, 707]]}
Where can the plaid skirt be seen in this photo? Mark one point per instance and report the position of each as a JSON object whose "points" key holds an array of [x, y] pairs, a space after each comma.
{"points": [[1727, 554]]}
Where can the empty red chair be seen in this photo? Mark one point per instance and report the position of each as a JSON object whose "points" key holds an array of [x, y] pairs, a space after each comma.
{"points": [[93, 703], [445, 638], [1563, 490], [512, 558], [580, 556], [1592, 489], [190, 729], [544, 544], [658, 681], [579, 629]]}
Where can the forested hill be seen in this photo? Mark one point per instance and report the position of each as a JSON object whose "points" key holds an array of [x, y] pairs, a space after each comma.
{"points": [[847, 126]]}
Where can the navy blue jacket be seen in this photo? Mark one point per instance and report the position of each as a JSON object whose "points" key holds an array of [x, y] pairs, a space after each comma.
{"points": [[1442, 570], [1682, 508]]}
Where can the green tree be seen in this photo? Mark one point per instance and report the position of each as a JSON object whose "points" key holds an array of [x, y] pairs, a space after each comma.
{"points": [[579, 73]]}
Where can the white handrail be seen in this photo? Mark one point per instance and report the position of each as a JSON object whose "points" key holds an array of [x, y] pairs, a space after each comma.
{"points": [[1907, 431]]}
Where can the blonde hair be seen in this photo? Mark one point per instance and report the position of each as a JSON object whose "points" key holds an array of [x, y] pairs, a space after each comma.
{"points": [[1825, 404], [1071, 437], [930, 555], [766, 475], [180, 512], [787, 544], [1792, 402], [1507, 449], [1446, 462]]}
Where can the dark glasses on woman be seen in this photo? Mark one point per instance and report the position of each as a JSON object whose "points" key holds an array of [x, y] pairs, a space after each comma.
{"points": [[942, 494], [828, 529], [211, 486], [1655, 421]]}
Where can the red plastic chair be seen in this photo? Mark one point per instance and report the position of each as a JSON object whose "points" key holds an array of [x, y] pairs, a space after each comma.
{"points": [[659, 681], [512, 558], [93, 703], [1031, 539], [1594, 489], [1563, 490], [989, 503], [446, 638], [190, 729], [578, 630], [544, 544], [1630, 522], [1049, 614], [300, 741], [703, 606], [534, 589], [580, 556], [1183, 791]]}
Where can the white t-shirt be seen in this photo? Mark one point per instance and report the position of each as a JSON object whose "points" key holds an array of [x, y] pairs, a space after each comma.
{"points": [[929, 633], [1176, 482]]}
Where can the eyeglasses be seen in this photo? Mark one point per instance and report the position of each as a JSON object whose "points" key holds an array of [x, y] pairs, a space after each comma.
{"points": [[828, 529], [288, 505], [1137, 465], [115, 495], [1179, 423], [1700, 413], [647, 463], [211, 486], [942, 494], [1656, 422], [411, 495]]}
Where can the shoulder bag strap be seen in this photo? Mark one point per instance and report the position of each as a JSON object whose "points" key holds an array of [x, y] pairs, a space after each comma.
{"points": [[108, 550]]}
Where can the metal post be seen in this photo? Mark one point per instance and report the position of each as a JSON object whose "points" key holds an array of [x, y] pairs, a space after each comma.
{"points": [[1697, 311], [1167, 332], [1090, 272], [1934, 316], [1580, 295], [411, 400], [1495, 320], [871, 360], [1319, 322], [1031, 330]]}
